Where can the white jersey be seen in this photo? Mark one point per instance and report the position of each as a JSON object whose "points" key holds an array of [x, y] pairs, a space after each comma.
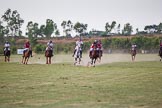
{"points": [[134, 47], [50, 45], [7, 45], [79, 44], [77, 52]]}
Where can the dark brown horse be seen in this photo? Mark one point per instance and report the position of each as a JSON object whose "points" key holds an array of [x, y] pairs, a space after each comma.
{"points": [[26, 57], [133, 54], [48, 55], [94, 55], [160, 53], [7, 55]]}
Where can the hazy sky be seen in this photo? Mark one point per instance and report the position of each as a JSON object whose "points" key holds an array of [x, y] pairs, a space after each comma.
{"points": [[95, 13]]}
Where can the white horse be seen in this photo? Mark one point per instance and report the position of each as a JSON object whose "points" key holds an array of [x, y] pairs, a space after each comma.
{"points": [[77, 55]]}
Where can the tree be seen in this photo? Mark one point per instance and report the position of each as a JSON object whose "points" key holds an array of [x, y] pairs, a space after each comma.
{"points": [[151, 28], [108, 28], [32, 32], [57, 33], [67, 27], [63, 24], [42, 30], [50, 27], [80, 28], [118, 29], [127, 30], [13, 22], [137, 31], [2, 32], [159, 29], [113, 25]]}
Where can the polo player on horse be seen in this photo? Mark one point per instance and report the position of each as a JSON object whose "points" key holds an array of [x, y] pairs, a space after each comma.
{"points": [[93, 47], [99, 47], [134, 46], [6, 47], [27, 46], [79, 45], [50, 46]]}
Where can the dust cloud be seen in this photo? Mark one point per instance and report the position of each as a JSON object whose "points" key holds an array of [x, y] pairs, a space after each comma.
{"points": [[67, 58]]}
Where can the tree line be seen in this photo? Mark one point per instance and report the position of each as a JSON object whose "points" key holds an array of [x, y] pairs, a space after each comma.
{"points": [[11, 23]]}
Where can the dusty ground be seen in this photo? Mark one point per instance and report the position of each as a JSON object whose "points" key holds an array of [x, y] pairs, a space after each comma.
{"points": [[67, 58]]}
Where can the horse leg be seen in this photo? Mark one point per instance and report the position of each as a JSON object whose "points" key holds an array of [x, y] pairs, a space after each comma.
{"points": [[8, 58], [94, 62], [79, 60], [49, 60], [134, 57], [46, 60], [75, 61], [5, 58], [22, 60], [27, 60]]}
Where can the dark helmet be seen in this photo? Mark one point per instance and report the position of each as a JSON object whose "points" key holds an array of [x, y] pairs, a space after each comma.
{"points": [[50, 41]]}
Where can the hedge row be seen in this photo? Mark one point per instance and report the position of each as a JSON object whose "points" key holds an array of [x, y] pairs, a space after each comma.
{"points": [[143, 43]]}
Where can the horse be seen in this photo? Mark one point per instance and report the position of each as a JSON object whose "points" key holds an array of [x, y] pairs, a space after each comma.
{"points": [[7, 55], [133, 54], [26, 56], [77, 56], [160, 53], [48, 55], [94, 55]]}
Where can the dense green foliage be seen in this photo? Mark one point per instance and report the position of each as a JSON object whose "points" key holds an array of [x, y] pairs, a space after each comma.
{"points": [[143, 43]]}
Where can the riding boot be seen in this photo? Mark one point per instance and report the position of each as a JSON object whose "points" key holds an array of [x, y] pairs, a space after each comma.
{"points": [[23, 53], [31, 53], [74, 53], [90, 53], [81, 53], [101, 52], [45, 53], [159, 52], [52, 52]]}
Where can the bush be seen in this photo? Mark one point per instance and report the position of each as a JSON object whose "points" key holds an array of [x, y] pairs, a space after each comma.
{"points": [[39, 48], [13, 49]]}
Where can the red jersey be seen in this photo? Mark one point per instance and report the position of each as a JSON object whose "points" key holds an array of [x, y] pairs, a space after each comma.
{"points": [[27, 45], [93, 46], [99, 45], [160, 44]]}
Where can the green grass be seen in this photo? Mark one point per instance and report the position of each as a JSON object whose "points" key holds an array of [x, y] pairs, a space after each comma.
{"points": [[114, 85]]}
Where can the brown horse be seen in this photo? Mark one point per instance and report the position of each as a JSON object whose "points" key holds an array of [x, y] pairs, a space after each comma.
{"points": [[7, 55], [48, 55], [133, 54], [94, 55], [26, 57]]}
